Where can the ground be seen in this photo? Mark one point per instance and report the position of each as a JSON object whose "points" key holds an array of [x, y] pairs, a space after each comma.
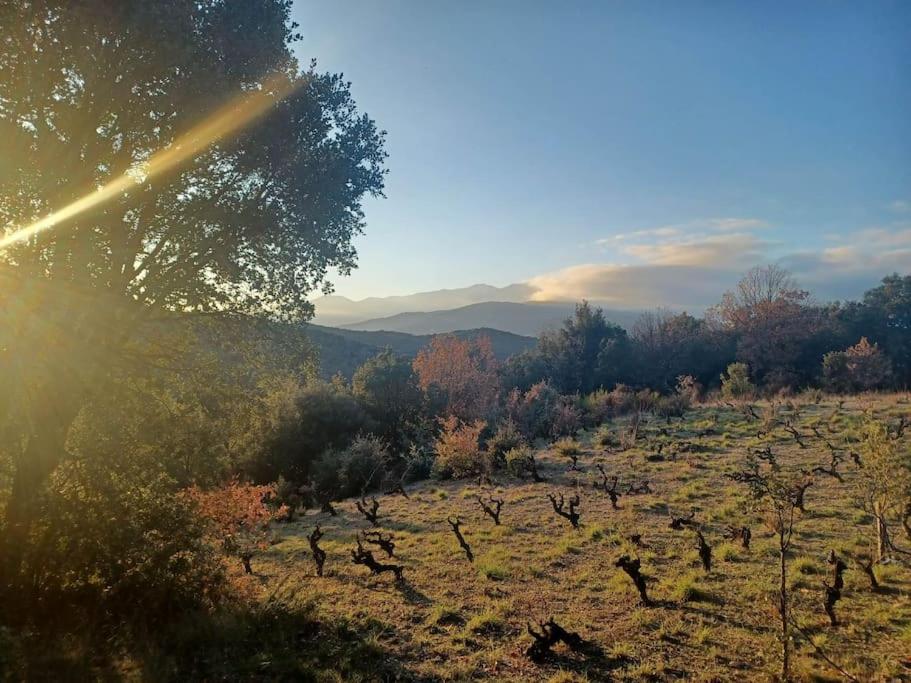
{"points": [[450, 619]]}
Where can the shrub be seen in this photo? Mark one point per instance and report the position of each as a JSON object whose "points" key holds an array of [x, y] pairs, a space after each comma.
{"points": [[287, 497], [237, 516], [458, 449], [689, 389], [567, 418], [735, 383], [504, 439], [605, 437], [116, 543], [352, 471], [597, 407], [520, 461], [672, 406], [859, 368], [567, 447], [533, 410], [310, 421]]}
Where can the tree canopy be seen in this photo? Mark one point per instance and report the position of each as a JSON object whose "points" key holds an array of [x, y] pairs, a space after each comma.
{"points": [[92, 91]]}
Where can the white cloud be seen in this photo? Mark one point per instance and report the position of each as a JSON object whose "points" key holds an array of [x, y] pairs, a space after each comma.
{"points": [[692, 228], [731, 250], [900, 206], [691, 271]]}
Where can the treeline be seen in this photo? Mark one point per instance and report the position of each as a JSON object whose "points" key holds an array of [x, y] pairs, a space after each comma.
{"points": [[767, 322], [455, 410]]}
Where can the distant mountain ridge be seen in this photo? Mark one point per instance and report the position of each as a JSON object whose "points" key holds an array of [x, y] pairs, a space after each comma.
{"points": [[336, 311], [525, 319], [343, 350]]}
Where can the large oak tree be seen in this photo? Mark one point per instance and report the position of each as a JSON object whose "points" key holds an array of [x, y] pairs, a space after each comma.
{"points": [[92, 89]]}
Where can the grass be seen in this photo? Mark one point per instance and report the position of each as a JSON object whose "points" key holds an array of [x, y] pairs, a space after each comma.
{"points": [[456, 620]]}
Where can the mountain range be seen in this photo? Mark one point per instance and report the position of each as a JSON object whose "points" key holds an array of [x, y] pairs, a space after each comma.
{"points": [[508, 309]]}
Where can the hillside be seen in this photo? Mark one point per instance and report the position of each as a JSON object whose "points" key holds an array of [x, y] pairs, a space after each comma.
{"points": [[344, 350], [334, 310], [528, 319], [451, 619]]}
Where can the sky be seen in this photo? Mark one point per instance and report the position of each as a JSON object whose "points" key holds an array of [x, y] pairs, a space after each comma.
{"points": [[637, 153]]}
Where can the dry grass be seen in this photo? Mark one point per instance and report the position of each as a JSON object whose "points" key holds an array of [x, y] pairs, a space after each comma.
{"points": [[452, 620]]}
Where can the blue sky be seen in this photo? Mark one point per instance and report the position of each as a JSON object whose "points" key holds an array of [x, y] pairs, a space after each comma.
{"points": [[608, 149]]}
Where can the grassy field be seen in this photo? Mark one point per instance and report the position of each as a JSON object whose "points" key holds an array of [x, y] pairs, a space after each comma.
{"points": [[450, 619]]}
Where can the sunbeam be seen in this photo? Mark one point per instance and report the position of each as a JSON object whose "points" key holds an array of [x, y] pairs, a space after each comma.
{"points": [[240, 112]]}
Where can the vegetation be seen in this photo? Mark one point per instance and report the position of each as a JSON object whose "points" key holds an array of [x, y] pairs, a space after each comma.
{"points": [[171, 463]]}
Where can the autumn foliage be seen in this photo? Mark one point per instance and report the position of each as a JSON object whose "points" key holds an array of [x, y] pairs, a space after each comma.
{"points": [[238, 516], [461, 374], [458, 449]]}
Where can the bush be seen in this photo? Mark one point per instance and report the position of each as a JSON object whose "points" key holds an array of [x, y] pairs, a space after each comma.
{"points": [[310, 421], [567, 418], [859, 368], [672, 406], [116, 543], [597, 407], [735, 383], [520, 461], [689, 389], [237, 516], [359, 468], [504, 439], [533, 411], [605, 437], [567, 447], [458, 449], [287, 498]]}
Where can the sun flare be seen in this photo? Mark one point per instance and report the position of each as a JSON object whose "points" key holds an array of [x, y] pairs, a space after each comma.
{"points": [[237, 114]]}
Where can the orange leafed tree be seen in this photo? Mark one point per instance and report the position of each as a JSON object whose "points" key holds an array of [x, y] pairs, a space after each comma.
{"points": [[461, 373], [239, 515]]}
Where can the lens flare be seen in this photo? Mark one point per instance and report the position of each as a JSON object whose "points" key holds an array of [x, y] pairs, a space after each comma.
{"points": [[240, 112]]}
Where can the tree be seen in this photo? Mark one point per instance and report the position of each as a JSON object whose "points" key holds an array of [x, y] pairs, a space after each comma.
{"points": [[736, 383], [884, 316], [668, 345], [388, 388], [859, 368], [587, 352], [772, 319], [90, 92], [883, 485], [460, 374]]}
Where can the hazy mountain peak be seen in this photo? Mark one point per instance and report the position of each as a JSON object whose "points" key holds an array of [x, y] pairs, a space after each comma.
{"points": [[335, 310]]}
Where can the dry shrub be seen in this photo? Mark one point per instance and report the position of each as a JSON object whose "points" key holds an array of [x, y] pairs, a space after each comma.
{"points": [[459, 451]]}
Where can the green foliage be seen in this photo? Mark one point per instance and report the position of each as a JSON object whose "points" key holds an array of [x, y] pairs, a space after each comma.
{"points": [[503, 440], [735, 384], [388, 388], [859, 368], [116, 541], [520, 461], [533, 411], [352, 471], [300, 424], [567, 446]]}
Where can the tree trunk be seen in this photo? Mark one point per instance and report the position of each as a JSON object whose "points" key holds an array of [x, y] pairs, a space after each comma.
{"points": [[883, 544], [43, 452], [783, 609]]}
